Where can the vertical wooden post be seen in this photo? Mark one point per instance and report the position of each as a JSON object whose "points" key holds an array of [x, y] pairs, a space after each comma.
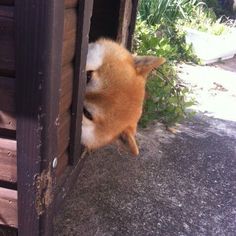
{"points": [[124, 21], [84, 15], [132, 23], [39, 30]]}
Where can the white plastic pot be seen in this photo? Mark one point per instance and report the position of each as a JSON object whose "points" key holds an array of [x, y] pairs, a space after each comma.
{"points": [[211, 48]]}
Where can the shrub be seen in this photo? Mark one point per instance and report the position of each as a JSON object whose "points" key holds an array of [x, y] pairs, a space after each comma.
{"points": [[204, 19], [154, 11], [159, 31], [166, 95]]}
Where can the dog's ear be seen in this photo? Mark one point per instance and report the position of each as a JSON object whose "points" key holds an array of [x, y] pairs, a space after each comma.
{"points": [[145, 64], [127, 139]]}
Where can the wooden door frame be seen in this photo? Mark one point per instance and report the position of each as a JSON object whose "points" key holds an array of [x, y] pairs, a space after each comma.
{"points": [[39, 35]]}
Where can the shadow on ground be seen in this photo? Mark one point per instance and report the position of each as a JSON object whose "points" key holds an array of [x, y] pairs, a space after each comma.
{"points": [[181, 184]]}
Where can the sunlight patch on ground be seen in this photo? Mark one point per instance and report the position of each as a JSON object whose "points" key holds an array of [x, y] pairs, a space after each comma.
{"points": [[214, 88]]}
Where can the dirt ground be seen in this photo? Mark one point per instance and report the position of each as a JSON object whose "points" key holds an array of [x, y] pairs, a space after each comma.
{"points": [[182, 183]]}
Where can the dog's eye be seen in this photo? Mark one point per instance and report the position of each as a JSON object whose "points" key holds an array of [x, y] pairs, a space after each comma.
{"points": [[87, 114], [89, 76]]}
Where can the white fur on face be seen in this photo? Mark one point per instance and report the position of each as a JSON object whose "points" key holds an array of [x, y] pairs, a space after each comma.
{"points": [[95, 110], [95, 56], [88, 132], [95, 84]]}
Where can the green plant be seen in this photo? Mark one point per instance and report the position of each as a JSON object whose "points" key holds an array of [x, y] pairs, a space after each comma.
{"points": [[203, 19], [166, 95], [160, 41], [154, 11], [166, 98], [160, 32]]}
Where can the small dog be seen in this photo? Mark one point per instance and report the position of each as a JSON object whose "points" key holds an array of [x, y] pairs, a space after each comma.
{"points": [[114, 94]]}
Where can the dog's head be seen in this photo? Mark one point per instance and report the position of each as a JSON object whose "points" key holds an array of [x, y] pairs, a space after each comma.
{"points": [[114, 94]]}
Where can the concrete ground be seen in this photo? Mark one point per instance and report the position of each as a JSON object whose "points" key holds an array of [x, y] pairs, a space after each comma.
{"points": [[183, 182]]}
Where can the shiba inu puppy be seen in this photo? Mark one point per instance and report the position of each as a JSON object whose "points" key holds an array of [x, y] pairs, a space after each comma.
{"points": [[114, 94]]}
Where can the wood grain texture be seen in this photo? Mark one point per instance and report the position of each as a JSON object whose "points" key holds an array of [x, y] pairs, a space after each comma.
{"points": [[38, 75], [124, 21], [69, 36], [132, 23], [8, 160], [66, 88], [70, 23], [63, 132], [7, 120], [7, 97], [8, 207], [68, 50], [8, 172], [84, 16], [7, 46], [71, 3]]}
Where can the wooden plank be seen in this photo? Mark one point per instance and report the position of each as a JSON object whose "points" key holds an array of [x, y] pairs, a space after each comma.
{"points": [[132, 23], [8, 160], [7, 97], [8, 150], [66, 88], [7, 120], [70, 23], [8, 171], [7, 62], [68, 51], [7, 94], [71, 3], [38, 73], [8, 207], [69, 36], [84, 15], [124, 21], [63, 133]]}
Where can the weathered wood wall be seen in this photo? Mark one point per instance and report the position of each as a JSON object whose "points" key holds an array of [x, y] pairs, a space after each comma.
{"points": [[7, 61], [8, 172], [21, 89], [67, 81], [7, 80], [8, 109]]}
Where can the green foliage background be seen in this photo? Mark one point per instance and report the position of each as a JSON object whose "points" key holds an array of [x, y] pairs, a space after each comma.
{"points": [[156, 34], [166, 95], [159, 32]]}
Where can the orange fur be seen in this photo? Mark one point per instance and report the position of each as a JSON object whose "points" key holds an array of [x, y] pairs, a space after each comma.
{"points": [[116, 96]]}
